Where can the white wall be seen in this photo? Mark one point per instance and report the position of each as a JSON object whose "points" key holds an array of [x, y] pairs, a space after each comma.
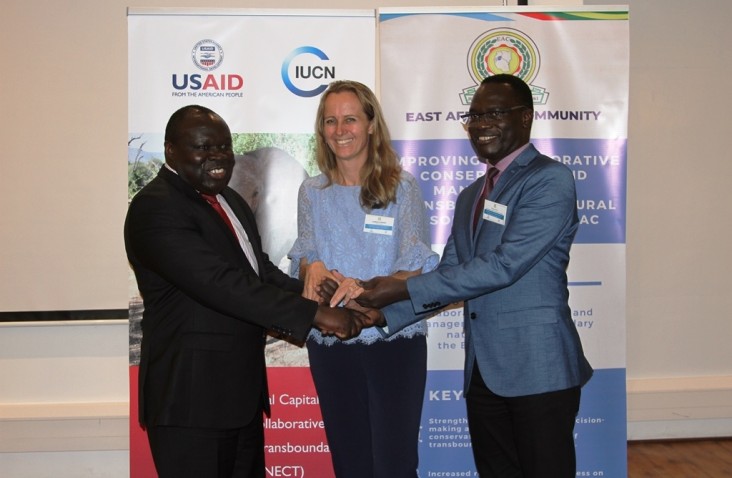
{"points": [[679, 225], [64, 407], [63, 97]]}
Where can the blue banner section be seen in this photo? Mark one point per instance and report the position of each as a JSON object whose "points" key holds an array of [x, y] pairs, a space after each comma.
{"points": [[599, 168], [444, 437], [443, 168], [446, 167], [600, 431]]}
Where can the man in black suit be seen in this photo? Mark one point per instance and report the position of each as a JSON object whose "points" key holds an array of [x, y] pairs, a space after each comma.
{"points": [[210, 295]]}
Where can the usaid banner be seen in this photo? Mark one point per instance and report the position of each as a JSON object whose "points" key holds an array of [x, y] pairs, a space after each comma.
{"points": [[263, 71], [576, 62]]}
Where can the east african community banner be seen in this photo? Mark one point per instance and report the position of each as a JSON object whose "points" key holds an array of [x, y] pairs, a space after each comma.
{"points": [[431, 62]]}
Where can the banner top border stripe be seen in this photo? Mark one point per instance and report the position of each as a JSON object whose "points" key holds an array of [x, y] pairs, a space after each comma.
{"points": [[501, 9]]}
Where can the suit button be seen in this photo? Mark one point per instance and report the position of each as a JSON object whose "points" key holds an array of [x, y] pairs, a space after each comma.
{"points": [[473, 315]]}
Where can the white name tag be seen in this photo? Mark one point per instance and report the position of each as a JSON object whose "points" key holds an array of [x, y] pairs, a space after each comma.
{"points": [[378, 225], [495, 212]]}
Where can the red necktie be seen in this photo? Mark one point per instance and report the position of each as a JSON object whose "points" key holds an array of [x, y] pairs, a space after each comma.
{"points": [[488, 184], [211, 199]]}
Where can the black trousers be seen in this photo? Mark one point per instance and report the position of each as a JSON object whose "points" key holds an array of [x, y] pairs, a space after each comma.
{"points": [[371, 399], [522, 437], [180, 452]]}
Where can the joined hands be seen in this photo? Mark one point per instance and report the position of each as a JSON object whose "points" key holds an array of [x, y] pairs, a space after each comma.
{"points": [[374, 294], [345, 323]]}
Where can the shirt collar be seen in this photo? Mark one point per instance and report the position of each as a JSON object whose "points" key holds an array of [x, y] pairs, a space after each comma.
{"points": [[504, 163]]}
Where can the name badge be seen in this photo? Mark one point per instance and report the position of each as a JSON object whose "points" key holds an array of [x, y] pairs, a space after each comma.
{"points": [[378, 225], [495, 212]]}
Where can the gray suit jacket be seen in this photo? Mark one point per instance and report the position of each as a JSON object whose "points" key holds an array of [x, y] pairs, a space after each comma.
{"points": [[512, 279]]}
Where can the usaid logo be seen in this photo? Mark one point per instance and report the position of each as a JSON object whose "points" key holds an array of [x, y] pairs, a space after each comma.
{"points": [[207, 55], [306, 71]]}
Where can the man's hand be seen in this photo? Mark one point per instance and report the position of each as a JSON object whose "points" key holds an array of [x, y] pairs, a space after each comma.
{"points": [[381, 291], [326, 291], [342, 322], [375, 316]]}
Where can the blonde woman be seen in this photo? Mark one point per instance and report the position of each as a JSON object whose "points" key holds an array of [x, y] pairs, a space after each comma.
{"points": [[363, 216]]}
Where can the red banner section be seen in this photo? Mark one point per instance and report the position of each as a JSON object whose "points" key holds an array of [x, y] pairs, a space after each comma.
{"points": [[295, 443], [141, 462]]}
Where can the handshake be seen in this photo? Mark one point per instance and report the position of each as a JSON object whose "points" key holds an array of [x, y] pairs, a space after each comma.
{"points": [[361, 301]]}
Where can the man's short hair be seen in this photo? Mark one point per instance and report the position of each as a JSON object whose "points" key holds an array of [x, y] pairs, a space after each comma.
{"points": [[173, 126], [522, 90]]}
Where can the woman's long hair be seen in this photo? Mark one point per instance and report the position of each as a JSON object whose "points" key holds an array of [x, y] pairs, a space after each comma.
{"points": [[381, 172]]}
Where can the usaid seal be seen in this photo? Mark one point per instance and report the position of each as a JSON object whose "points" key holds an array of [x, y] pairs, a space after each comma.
{"points": [[207, 55], [504, 51]]}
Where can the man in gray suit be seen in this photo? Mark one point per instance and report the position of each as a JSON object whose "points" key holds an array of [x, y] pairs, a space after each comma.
{"points": [[506, 258]]}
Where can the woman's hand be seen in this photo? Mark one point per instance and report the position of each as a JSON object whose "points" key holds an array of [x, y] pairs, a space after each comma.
{"points": [[348, 289], [312, 275]]}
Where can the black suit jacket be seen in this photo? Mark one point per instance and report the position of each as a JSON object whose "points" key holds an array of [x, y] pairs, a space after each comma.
{"points": [[206, 310]]}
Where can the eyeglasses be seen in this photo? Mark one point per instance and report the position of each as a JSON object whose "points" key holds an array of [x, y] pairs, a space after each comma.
{"points": [[492, 115]]}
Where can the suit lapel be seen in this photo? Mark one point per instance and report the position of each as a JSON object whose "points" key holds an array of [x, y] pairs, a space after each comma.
{"points": [[513, 172], [231, 198], [463, 217], [508, 178], [189, 192]]}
